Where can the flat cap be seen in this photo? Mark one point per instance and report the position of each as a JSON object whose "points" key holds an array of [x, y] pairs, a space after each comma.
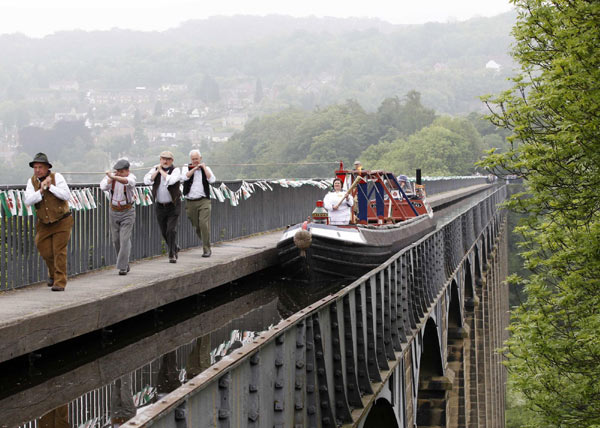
{"points": [[166, 154], [121, 164]]}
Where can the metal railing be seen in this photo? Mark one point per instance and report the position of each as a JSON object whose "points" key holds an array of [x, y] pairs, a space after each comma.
{"points": [[313, 368], [91, 248]]}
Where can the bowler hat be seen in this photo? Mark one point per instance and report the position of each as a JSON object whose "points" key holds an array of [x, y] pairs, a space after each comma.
{"points": [[166, 154], [40, 158], [121, 164]]}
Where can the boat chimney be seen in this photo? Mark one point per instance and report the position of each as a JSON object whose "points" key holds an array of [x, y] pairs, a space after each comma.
{"points": [[418, 176]]}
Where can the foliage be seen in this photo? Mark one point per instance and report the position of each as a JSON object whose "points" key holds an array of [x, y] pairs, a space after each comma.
{"points": [[517, 415], [449, 146], [67, 139], [552, 111], [346, 132]]}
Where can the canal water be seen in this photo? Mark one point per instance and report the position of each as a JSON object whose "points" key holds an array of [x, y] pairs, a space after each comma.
{"points": [[119, 370], [150, 355]]}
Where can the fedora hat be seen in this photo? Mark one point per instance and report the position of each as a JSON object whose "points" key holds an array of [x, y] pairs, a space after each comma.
{"points": [[40, 158]]}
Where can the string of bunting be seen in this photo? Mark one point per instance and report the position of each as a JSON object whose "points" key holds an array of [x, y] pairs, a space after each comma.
{"points": [[12, 201]]}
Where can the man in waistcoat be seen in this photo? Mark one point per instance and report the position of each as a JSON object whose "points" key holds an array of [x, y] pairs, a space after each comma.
{"points": [[120, 185], [164, 179], [196, 177], [49, 192]]}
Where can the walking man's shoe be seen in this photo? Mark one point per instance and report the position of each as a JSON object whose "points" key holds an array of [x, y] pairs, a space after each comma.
{"points": [[50, 282], [207, 253], [57, 288], [124, 271], [172, 259]]}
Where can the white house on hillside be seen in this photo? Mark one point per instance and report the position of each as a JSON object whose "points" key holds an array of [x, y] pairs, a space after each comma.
{"points": [[493, 65]]}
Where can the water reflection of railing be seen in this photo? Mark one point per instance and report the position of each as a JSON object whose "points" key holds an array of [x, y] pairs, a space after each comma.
{"points": [[166, 372]]}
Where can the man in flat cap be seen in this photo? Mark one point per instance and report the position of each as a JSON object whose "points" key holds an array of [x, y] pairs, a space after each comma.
{"points": [[196, 179], [167, 198], [49, 192], [120, 185]]}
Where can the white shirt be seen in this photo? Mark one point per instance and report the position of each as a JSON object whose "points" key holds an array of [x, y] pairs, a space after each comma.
{"points": [[342, 214], [59, 189], [162, 195], [197, 189], [118, 196]]}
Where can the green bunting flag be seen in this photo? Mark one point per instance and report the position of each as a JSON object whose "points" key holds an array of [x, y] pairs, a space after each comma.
{"points": [[6, 204]]}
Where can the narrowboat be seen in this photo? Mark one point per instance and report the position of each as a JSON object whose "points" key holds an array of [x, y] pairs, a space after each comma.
{"points": [[387, 215]]}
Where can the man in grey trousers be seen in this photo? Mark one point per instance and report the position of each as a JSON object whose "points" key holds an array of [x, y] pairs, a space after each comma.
{"points": [[120, 185]]}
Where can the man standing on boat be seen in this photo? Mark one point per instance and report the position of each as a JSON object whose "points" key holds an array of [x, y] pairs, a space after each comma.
{"points": [[167, 197], [338, 204], [196, 178], [49, 192], [120, 185]]}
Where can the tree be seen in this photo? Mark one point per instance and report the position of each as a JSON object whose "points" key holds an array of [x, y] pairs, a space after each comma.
{"points": [[446, 147], [553, 353], [397, 118], [258, 91], [208, 90], [158, 108]]}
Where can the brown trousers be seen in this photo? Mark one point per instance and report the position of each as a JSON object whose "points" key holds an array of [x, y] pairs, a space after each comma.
{"points": [[51, 241], [57, 418]]}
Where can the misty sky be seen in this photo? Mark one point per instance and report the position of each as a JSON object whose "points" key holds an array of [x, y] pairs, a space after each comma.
{"points": [[38, 18]]}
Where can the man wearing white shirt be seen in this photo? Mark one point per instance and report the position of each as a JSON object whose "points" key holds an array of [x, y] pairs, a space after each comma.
{"points": [[196, 179], [120, 185], [167, 198], [49, 192]]}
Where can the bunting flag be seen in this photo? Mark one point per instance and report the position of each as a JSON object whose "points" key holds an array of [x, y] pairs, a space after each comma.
{"points": [[90, 198], [144, 396], [147, 196], [8, 205], [245, 192], [136, 197], [225, 190], [233, 199], [92, 423], [218, 194], [19, 203], [85, 204], [76, 204], [28, 210], [12, 201]]}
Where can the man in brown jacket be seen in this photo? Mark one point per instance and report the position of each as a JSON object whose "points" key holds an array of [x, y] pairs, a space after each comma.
{"points": [[49, 192]]}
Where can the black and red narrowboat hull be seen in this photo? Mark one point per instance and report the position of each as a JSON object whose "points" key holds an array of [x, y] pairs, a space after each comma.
{"points": [[346, 252]]}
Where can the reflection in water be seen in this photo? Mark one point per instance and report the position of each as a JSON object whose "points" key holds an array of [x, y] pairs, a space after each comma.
{"points": [[122, 407], [56, 418], [113, 374]]}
